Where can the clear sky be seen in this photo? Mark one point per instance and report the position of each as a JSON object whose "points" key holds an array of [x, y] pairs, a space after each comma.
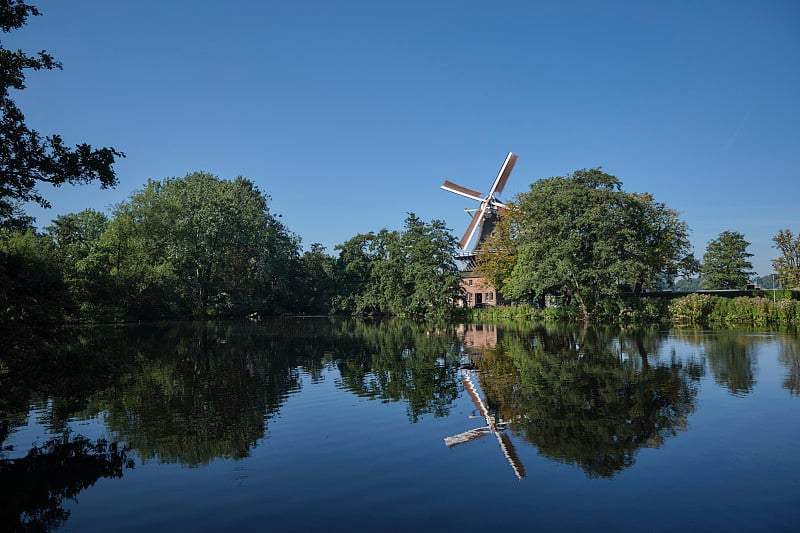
{"points": [[351, 114]]}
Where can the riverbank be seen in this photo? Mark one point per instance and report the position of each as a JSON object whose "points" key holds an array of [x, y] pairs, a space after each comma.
{"points": [[781, 308]]}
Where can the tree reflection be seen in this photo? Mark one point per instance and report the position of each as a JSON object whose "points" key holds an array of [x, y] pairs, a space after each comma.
{"points": [[33, 488], [586, 398], [206, 391], [731, 360], [57, 372], [400, 362], [789, 356]]}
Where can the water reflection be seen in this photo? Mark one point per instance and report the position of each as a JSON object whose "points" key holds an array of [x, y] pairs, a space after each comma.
{"points": [[789, 356], [33, 488], [585, 397], [189, 393], [400, 362]]}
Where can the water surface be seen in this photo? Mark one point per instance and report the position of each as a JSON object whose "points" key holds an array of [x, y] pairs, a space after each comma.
{"points": [[322, 424]]}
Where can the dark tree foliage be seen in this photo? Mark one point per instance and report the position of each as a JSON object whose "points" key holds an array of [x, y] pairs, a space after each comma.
{"points": [[26, 157]]}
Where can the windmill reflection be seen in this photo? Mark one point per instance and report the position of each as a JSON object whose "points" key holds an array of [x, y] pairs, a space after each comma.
{"points": [[477, 337], [493, 425]]}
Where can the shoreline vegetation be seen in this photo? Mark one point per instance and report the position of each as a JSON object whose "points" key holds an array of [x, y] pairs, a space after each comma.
{"points": [[779, 307]]}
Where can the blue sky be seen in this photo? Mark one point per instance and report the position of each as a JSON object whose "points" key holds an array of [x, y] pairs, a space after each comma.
{"points": [[351, 114]]}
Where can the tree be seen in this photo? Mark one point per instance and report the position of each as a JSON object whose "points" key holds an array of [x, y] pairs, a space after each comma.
{"points": [[316, 281], [660, 246], [725, 264], [583, 238], [497, 256], [25, 156], [409, 273], [76, 237], [31, 283], [200, 245], [429, 274], [787, 266]]}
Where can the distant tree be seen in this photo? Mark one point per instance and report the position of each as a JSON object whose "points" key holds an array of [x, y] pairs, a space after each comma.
{"points": [[725, 264], [770, 281], [687, 285], [787, 265], [430, 272], [27, 158]]}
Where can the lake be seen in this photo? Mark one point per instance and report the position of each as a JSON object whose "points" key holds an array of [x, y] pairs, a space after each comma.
{"points": [[336, 424]]}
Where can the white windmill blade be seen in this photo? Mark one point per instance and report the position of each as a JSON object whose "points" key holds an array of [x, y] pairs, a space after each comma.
{"points": [[463, 191], [467, 436], [473, 227], [502, 177]]}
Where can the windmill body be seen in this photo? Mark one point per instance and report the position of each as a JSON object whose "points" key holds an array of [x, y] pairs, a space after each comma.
{"points": [[485, 216]]}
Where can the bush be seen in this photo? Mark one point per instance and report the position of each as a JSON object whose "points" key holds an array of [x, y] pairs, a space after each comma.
{"points": [[761, 310]]}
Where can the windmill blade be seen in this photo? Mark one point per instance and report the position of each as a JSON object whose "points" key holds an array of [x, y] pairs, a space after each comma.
{"points": [[511, 455], [473, 226], [463, 191], [467, 436], [502, 177]]}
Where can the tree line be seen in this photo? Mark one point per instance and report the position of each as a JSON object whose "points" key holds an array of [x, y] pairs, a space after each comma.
{"points": [[587, 244], [203, 246]]}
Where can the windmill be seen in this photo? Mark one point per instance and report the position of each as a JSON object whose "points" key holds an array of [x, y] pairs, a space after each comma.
{"points": [[492, 426], [486, 215]]}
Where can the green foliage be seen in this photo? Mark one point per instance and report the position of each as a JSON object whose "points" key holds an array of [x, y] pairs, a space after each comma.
{"points": [[761, 310], [32, 286], [725, 264], [582, 238], [788, 264], [25, 157], [76, 237], [411, 273], [687, 285], [315, 284], [201, 246]]}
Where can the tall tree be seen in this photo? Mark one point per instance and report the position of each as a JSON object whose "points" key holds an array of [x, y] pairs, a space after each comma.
{"points": [[725, 264], [26, 157], [201, 245], [787, 265], [584, 238]]}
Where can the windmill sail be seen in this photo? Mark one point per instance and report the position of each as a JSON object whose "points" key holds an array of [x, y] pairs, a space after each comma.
{"points": [[485, 217]]}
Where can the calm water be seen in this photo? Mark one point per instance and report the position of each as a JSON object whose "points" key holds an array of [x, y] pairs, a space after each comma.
{"points": [[322, 424]]}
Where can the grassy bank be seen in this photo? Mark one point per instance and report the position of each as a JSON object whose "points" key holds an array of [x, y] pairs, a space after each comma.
{"points": [[781, 308], [702, 308]]}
